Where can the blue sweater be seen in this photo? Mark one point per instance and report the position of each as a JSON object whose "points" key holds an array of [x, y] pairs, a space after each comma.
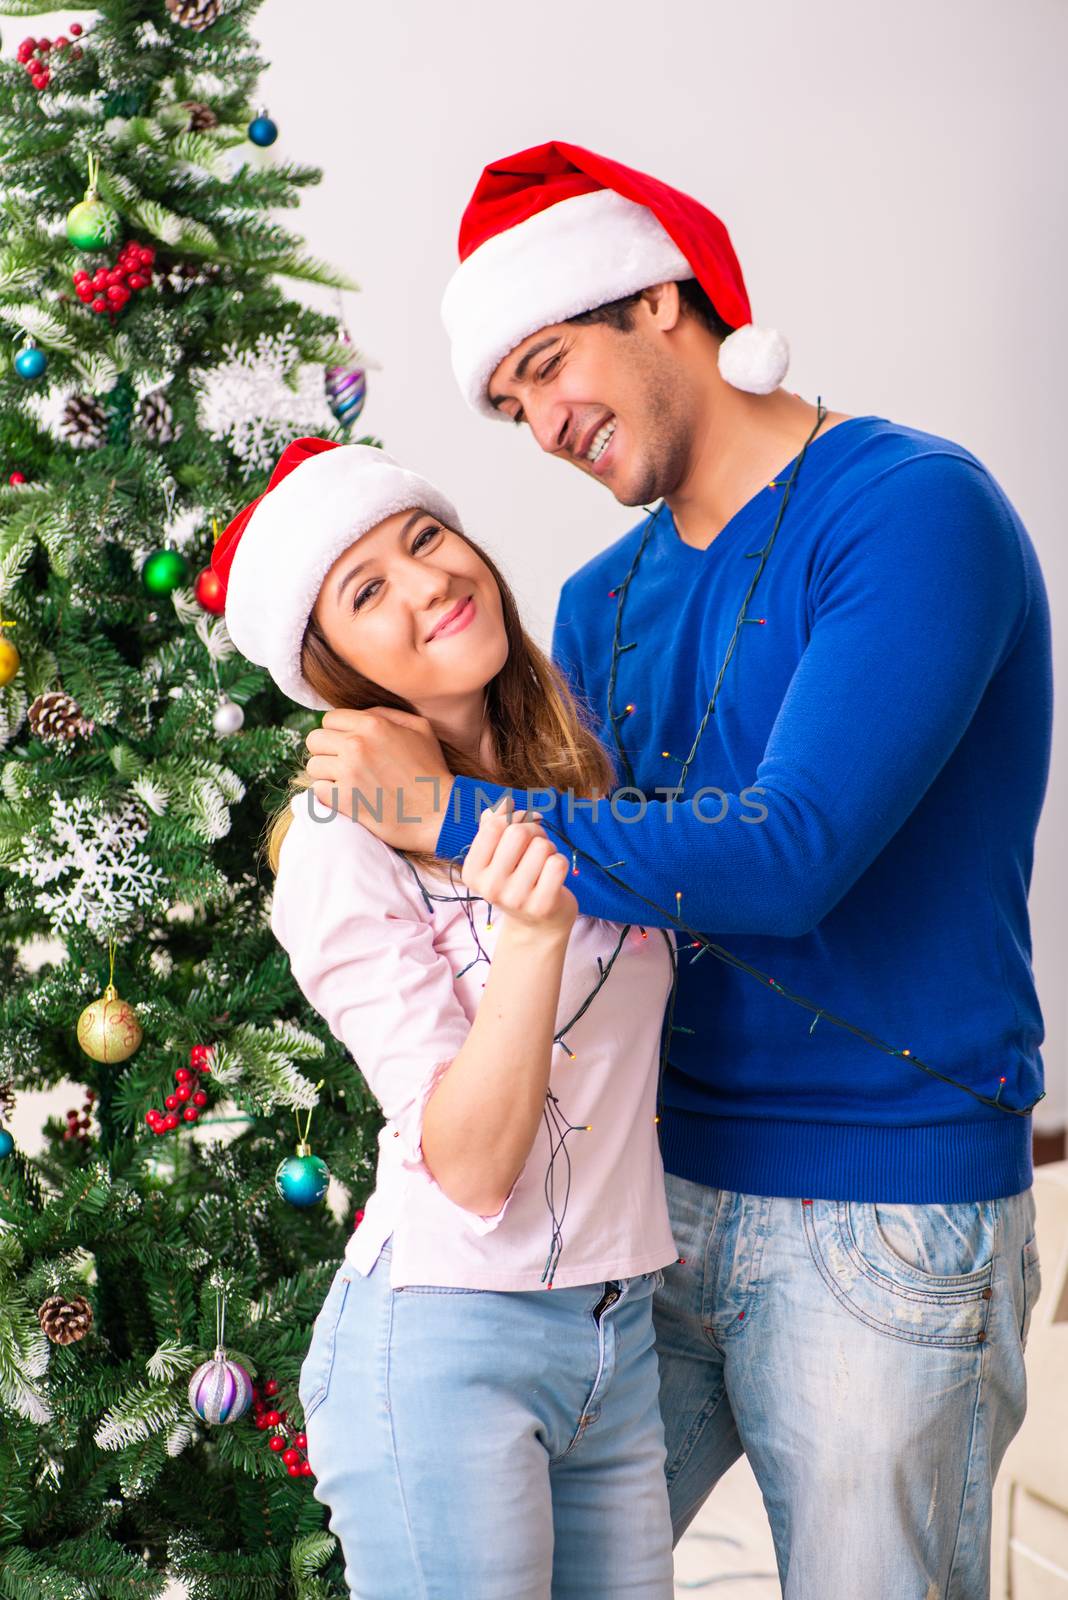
{"points": [[880, 748]]}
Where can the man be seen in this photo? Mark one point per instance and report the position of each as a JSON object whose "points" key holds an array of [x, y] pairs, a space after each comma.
{"points": [[833, 638]]}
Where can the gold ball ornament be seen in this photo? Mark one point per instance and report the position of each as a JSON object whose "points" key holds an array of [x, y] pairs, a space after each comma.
{"points": [[108, 1029], [10, 661]]}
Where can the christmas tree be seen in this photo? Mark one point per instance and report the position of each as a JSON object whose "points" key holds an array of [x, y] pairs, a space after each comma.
{"points": [[163, 1256]]}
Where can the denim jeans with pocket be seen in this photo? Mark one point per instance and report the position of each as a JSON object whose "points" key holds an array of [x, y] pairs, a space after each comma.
{"points": [[477, 1444], [868, 1359]]}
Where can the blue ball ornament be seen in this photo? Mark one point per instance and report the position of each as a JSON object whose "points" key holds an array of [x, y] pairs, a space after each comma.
{"points": [[302, 1179], [30, 363], [7, 1143], [220, 1390], [262, 131]]}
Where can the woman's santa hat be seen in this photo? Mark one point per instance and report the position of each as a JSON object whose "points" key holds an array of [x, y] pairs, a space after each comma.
{"points": [[272, 558], [557, 230]]}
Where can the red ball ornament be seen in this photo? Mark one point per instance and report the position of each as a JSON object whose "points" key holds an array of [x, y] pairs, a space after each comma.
{"points": [[290, 1455], [273, 1418], [136, 280], [16, 478], [183, 1092], [76, 29], [301, 1440], [276, 1443], [100, 305], [191, 1114], [210, 591], [271, 1386], [182, 1074], [171, 1102], [261, 1423], [200, 1098], [200, 1057], [294, 1471], [170, 1120], [306, 1469]]}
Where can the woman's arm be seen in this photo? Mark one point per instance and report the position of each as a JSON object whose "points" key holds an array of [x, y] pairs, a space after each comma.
{"points": [[361, 949], [481, 1120]]}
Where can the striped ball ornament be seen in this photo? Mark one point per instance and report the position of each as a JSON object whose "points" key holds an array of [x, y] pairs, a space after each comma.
{"points": [[220, 1390]]}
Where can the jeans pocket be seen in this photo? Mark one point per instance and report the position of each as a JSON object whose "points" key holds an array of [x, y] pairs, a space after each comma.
{"points": [[436, 1288], [1032, 1285], [313, 1385], [878, 1261]]}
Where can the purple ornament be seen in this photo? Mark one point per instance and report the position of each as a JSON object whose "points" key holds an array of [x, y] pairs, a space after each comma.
{"points": [[346, 391], [220, 1390]]}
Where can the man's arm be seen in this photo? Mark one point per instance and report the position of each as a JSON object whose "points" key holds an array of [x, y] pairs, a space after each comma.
{"points": [[913, 611]]}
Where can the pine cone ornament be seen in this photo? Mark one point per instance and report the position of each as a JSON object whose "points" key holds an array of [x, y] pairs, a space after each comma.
{"points": [[84, 422], [200, 115], [57, 718], [194, 14], [156, 418], [65, 1318], [182, 275]]}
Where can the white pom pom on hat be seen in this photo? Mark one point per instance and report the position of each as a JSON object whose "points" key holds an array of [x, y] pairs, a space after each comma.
{"points": [[557, 230], [272, 558]]}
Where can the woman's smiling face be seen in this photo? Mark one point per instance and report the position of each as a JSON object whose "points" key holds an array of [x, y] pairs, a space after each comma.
{"points": [[415, 609]]}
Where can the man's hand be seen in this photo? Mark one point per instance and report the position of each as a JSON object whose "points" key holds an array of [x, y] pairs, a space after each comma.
{"points": [[386, 769]]}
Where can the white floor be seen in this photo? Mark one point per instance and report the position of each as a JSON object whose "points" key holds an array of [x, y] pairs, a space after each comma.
{"points": [[727, 1550]]}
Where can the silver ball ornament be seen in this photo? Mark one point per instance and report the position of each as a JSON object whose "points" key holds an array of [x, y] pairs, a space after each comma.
{"points": [[229, 717]]}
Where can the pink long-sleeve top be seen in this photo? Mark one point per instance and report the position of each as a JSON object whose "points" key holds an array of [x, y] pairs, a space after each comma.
{"points": [[397, 974]]}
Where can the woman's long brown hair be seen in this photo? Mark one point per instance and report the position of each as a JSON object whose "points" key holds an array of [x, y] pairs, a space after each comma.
{"points": [[541, 736]]}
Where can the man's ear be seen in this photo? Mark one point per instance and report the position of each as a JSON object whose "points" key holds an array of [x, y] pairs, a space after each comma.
{"points": [[664, 305]]}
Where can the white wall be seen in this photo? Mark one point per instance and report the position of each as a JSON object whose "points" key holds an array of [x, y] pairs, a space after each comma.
{"points": [[892, 178]]}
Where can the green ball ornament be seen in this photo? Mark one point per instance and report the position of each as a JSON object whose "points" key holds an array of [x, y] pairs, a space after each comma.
{"points": [[92, 223], [302, 1179], [165, 570]]}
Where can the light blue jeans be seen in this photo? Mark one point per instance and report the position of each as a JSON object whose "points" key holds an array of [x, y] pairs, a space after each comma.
{"points": [[476, 1444], [869, 1361]]}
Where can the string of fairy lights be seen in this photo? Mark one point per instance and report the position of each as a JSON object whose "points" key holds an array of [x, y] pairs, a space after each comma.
{"points": [[557, 1124]]}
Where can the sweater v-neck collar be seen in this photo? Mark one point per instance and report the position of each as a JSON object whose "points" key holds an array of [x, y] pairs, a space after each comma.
{"points": [[667, 535]]}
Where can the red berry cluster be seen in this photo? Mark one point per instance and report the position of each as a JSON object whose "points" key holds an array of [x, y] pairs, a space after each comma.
{"points": [[264, 1409], [33, 55], [188, 1098], [78, 1123], [109, 288]]}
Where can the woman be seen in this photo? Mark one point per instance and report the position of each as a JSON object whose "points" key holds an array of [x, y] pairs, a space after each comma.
{"points": [[472, 1434]]}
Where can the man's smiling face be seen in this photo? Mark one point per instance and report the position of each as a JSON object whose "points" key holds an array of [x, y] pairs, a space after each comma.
{"points": [[617, 404]]}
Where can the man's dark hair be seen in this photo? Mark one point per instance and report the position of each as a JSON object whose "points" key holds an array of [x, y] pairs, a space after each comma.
{"points": [[619, 314]]}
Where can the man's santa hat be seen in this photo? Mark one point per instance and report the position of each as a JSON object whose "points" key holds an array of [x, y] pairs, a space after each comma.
{"points": [[557, 230], [272, 558]]}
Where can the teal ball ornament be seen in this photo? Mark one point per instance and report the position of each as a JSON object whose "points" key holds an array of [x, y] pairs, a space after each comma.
{"points": [[92, 223], [302, 1179], [7, 1144], [164, 570], [262, 131], [220, 1390], [30, 363]]}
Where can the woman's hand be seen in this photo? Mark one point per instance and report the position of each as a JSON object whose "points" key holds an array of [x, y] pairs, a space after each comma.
{"points": [[513, 865]]}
